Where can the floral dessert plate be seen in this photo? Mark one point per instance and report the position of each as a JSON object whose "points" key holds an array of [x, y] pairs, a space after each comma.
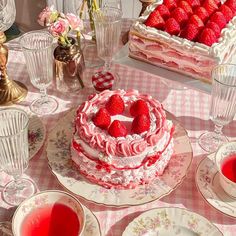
{"points": [[58, 153], [36, 135], [170, 221], [208, 184]]}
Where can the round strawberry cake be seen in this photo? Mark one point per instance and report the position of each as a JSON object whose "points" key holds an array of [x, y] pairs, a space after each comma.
{"points": [[122, 139]]}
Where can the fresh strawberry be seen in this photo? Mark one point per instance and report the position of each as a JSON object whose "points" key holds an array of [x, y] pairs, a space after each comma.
{"points": [[180, 15], [140, 124], [227, 12], [190, 32], [194, 3], [115, 105], [207, 37], [186, 7], [210, 6], [218, 3], [117, 129], [212, 25], [219, 19], [164, 11], [139, 107], [155, 20], [172, 26], [102, 118], [231, 4], [202, 13], [171, 4], [195, 20]]}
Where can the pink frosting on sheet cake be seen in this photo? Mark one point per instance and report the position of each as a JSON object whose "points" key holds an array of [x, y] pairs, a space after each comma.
{"points": [[121, 162]]}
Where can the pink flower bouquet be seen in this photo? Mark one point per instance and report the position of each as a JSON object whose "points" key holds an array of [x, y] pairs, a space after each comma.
{"points": [[60, 24]]}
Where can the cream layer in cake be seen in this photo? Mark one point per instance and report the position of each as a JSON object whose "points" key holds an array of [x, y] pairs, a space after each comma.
{"points": [[178, 54], [122, 162]]}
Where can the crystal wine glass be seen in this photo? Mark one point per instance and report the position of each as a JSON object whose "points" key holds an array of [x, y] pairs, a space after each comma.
{"points": [[107, 21], [38, 52], [14, 154], [112, 3], [222, 106]]}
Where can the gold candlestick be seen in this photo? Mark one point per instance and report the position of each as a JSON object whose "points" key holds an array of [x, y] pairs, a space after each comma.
{"points": [[10, 91]]}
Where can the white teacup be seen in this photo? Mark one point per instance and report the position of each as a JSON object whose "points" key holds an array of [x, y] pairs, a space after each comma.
{"points": [[226, 154], [49, 211]]}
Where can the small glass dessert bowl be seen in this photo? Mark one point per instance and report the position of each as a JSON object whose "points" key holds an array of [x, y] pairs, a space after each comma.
{"points": [[225, 159], [50, 213]]}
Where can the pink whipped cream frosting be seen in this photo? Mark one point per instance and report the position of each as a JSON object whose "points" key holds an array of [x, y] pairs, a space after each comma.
{"points": [[132, 144]]}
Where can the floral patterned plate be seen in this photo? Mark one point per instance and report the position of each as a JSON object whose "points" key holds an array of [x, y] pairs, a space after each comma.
{"points": [[208, 184], [36, 135], [58, 152], [170, 221]]}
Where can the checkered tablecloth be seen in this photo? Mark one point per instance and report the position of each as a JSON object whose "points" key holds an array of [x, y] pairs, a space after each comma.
{"points": [[191, 109]]}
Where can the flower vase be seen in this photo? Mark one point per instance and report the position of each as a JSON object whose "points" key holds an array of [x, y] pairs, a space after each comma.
{"points": [[69, 62]]}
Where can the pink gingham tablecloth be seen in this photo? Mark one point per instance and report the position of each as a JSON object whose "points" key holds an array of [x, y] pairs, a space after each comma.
{"points": [[189, 106]]}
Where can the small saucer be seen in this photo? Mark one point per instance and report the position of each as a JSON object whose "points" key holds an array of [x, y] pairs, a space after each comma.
{"points": [[208, 184], [92, 226], [36, 135]]}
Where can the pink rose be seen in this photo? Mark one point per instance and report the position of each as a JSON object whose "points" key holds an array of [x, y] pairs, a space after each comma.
{"points": [[47, 16], [60, 27], [75, 22]]}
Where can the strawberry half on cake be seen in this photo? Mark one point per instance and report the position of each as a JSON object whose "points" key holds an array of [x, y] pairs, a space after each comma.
{"points": [[187, 36], [122, 139]]}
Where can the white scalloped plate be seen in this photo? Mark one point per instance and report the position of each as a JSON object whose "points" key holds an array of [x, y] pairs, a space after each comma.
{"points": [[170, 221], [207, 181], [58, 153]]}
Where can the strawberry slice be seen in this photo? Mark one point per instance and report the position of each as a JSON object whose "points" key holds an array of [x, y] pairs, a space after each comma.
{"points": [[212, 25], [164, 11], [170, 4], [207, 37], [219, 19], [227, 12], [180, 15], [140, 124], [102, 118], [172, 26], [194, 3], [195, 20], [115, 105], [210, 6], [155, 20], [190, 32], [186, 7], [139, 107], [117, 129], [231, 4], [202, 13]]}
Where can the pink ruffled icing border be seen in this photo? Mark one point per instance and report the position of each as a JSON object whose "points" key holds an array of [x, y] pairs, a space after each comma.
{"points": [[102, 141]]}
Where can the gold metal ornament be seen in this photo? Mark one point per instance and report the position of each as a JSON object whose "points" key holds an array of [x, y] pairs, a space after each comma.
{"points": [[10, 91]]}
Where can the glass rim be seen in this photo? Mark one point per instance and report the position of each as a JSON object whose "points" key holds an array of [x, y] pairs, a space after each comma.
{"points": [[25, 125], [35, 32], [119, 15], [223, 65]]}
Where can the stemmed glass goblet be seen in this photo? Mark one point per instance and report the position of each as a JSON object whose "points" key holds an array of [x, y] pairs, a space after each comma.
{"points": [[107, 21], [222, 106], [38, 52], [14, 154]]}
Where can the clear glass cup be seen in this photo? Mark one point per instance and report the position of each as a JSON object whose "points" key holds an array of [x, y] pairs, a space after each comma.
{"points": [[38, 52], [112, 3], [222, 105], [107, 23], [7, 14], [14, 154]]}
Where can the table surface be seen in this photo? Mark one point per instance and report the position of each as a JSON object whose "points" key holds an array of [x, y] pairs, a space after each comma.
{"points": [[190, 107]]}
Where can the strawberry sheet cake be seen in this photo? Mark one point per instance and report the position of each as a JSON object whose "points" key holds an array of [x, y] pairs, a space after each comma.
{"points": [[187, 36], [122, 139]]}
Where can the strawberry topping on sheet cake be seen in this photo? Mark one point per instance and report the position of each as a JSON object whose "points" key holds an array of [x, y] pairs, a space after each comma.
{"points": [[203, 30]]}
